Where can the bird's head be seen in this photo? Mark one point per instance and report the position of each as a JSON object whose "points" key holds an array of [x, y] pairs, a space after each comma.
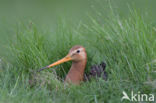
{"points": [[76, 54]]}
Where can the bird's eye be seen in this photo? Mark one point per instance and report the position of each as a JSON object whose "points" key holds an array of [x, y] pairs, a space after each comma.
{"points": [[78, 51]]}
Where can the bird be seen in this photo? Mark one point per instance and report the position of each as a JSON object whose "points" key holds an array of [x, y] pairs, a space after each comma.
{"points": [[97, 71], [77, 54]]}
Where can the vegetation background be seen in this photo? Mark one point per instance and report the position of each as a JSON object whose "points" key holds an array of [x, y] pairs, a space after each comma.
{"points": [[35, 33]]}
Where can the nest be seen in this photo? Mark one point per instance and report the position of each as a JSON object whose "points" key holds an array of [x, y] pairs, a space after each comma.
{"points": [[47, 78]]}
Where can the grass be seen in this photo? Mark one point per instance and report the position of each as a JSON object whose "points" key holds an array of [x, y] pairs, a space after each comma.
{"points": [[127, 46]]}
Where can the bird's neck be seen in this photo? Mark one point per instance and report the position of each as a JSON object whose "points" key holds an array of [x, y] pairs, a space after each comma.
{"points": [[79, 66], [76, 72]]}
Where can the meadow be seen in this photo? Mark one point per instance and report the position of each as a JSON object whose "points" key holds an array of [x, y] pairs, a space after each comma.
{"points": [[127, 44]]}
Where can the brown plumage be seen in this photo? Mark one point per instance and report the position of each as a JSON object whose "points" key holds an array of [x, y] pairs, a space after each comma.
{"points": [[76, 72], [78, 56]]}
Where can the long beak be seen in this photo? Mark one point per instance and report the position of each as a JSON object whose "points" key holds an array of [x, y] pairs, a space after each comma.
{"points": [[65, 59]]}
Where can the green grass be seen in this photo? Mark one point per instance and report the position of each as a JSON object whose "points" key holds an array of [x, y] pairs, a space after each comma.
{"points": [[127, 46]]}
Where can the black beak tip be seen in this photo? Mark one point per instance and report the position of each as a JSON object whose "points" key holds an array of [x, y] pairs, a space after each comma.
{"points": [[42, 68]]}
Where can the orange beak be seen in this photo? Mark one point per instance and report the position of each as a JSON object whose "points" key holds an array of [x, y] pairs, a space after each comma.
{"points": [[65, 59]]}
